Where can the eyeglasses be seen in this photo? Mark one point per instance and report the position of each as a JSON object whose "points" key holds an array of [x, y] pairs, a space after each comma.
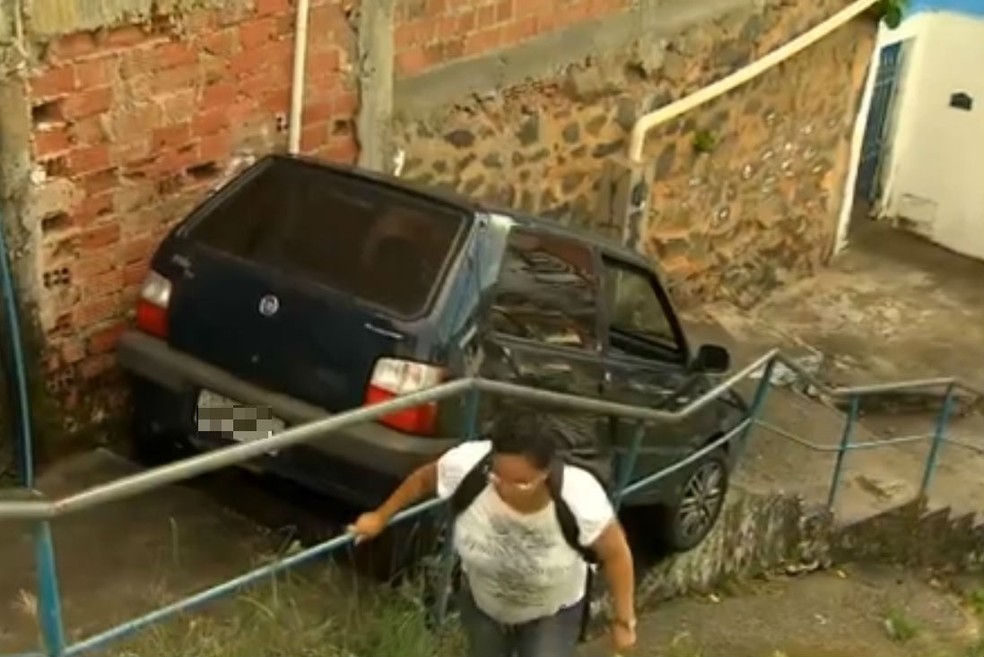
{"points": [[521, 486]]}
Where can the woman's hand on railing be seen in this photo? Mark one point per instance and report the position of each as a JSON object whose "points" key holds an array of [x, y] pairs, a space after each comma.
{"points": [[367, 526]]}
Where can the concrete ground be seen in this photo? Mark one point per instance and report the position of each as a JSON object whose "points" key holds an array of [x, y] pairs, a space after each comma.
{"points": [[845, 613], [893, 307], [117, 562]]}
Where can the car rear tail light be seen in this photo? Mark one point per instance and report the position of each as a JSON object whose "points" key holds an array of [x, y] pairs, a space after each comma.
{"points": [[392, 378], [155, 296]]}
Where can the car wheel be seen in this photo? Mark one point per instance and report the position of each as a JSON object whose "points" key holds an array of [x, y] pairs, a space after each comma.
{"points": [[691, 518]]}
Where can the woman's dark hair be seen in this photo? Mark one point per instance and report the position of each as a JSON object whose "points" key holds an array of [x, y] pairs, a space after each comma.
{"points": [[524, 433]]}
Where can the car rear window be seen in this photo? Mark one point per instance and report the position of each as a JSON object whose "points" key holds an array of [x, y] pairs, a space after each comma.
{"points": [[385, 247]]}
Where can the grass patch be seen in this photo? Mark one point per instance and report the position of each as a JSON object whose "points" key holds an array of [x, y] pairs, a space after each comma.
{"points": [[900, 627], [976, 602], [299, 616]]}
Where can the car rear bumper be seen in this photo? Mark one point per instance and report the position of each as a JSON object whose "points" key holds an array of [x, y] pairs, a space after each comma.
{"points": [[367, 445]]}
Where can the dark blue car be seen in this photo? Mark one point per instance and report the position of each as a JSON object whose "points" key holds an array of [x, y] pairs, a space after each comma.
{"points": [[301, 290]]}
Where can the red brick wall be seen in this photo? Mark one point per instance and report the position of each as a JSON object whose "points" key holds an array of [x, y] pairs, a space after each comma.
{"points": [[433, 32], [133, 125]]}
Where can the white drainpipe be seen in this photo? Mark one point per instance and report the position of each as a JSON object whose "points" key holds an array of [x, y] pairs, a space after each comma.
{"points": [[647, 122], [297, 84]]}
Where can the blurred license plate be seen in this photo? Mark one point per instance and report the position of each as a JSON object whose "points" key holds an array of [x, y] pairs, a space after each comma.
{"points": [[242, 423]]}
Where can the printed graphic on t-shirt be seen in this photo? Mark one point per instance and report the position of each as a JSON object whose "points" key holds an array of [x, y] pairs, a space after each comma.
{"points": [[520, 563], [519, 566]]}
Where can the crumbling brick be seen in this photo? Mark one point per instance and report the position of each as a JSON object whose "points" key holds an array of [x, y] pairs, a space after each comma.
{"points": [[88, 102], [51, 142], [56, 81]]}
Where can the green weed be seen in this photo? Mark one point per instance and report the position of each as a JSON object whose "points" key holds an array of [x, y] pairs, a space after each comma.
{"points": [[298, 617], [976, 601], [900, 627]]}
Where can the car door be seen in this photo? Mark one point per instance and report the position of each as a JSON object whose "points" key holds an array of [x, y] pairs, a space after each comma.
{"points": [[647, 365], [542, 323]]}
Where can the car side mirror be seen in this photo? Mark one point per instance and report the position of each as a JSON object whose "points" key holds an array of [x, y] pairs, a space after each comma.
{"points": [[712, 359]]}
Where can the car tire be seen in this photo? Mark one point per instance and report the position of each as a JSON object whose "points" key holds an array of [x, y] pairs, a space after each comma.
{"points": [[688, 520]]}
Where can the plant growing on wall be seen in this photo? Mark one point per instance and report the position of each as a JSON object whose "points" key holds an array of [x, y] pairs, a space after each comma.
{"points": [[892, 11], [705, 141]]}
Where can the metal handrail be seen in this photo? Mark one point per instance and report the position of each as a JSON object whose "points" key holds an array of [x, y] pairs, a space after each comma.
{"points": [[962, 443], [869, 444], [209, 461]]}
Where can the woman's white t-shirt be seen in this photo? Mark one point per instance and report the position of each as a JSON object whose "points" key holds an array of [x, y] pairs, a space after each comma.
{"points": [[519, 566]]}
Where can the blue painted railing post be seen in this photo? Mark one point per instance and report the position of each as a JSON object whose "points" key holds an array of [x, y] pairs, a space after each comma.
{"points": [[758, 402], [939, 437], [447, 560], [49, 598], [25, 441], [845, 445], [627, 464]]}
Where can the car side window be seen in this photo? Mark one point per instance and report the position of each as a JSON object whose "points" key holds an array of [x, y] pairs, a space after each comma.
{"points": [[638, 321], [547, 291]]}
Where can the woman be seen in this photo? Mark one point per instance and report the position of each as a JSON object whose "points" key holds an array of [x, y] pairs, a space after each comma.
{"points": [[525, 584]]}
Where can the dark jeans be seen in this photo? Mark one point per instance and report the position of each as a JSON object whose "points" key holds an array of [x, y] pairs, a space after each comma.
{"points": [[553, 636]]}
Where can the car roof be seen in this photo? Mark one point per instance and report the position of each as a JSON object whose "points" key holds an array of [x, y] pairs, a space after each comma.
{"points": [[474, 207], [606, 245], [435, 194]]}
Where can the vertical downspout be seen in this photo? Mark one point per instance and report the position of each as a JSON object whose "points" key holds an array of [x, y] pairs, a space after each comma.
{"points": [[297, 83]]}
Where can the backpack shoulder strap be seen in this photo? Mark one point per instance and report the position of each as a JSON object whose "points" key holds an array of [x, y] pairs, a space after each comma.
{"points": [[471, 486], [565, 517]]}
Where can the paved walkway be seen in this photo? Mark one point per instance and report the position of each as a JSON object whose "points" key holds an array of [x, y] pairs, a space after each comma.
{"points": [[893, 307], [828, 614]]}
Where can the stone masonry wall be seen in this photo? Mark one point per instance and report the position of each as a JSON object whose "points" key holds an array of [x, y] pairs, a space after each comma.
{"points": [[757, 209], [758, 204]]}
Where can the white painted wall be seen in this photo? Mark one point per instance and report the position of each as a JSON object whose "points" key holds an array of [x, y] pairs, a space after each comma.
{"points": [[934, 173]]}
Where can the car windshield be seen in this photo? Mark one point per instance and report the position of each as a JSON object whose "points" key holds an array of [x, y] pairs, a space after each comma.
{"points": [[381, 245]]}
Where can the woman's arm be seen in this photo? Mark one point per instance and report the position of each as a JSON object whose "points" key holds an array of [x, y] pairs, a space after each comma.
{"points": [[421, 483], [616, 561]]}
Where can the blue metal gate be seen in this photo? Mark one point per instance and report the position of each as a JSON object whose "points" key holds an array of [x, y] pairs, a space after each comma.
{"points": [[886, 82]]}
